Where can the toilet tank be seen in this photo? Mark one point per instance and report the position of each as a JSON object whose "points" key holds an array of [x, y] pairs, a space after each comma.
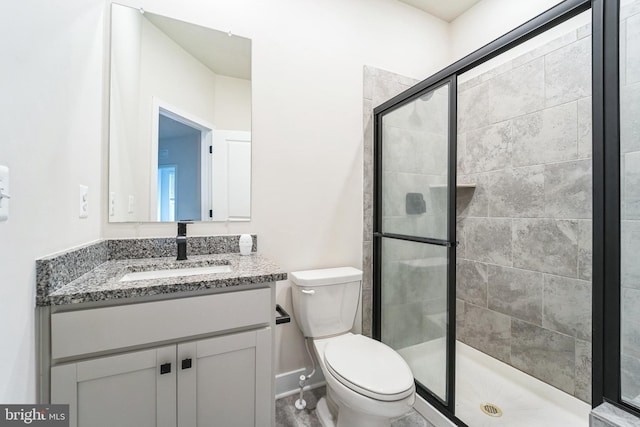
{"points": [[325, 301]]}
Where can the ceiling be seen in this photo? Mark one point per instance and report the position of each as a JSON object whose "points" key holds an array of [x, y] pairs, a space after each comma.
{"points": [[225, 54], [447, 10]]}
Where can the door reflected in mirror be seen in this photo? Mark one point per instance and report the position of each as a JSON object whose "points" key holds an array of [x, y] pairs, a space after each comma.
{"points": [[180, 121]]}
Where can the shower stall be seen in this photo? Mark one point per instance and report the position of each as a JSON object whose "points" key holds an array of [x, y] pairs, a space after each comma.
{"points": [[483, 272]]}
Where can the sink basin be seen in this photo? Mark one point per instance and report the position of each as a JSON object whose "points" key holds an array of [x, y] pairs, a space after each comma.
{"points": [[176, 272]]}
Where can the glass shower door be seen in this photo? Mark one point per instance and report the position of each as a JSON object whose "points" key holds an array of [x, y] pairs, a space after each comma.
{"points": [[414, 236]]}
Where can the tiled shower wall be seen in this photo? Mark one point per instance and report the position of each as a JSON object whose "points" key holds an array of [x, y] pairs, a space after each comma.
{"points": [[630, 208], [524, 259]]}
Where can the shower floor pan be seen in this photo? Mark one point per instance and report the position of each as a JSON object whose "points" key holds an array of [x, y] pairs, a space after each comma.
{"points": [[509, 397]]}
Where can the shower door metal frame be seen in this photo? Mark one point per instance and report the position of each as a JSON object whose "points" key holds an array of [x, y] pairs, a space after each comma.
{"points": [[538, 25], [449, 242], [607, 210]]}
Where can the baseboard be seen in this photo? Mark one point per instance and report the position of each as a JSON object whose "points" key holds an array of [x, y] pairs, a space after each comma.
{"points": [[287, 383], [431, 414]]}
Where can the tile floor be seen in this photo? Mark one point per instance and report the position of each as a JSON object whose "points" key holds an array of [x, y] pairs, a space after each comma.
{"points": [[288, 416]]}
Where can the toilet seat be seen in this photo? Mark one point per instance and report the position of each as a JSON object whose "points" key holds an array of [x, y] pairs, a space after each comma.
{"points": [[368, 367]]}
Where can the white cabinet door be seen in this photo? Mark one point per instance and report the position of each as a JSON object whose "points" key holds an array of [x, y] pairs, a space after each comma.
{"points": [[127, 390], [229, 382]]}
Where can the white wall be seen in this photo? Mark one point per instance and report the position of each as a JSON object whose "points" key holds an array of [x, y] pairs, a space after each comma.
{"points": [[51, 116], [307, 68], [232, 103], [490, 19]]}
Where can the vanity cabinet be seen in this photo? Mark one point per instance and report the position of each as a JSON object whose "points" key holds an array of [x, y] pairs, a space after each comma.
{"points": [[206, 361]]}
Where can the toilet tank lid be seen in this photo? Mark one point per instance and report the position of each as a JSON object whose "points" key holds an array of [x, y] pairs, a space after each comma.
{"points": [[326, 276]]}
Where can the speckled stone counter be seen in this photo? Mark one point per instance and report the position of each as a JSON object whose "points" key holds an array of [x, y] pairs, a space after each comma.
{"points": [[91, 274]]}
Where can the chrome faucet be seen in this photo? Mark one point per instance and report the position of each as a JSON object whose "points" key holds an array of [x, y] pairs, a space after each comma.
{"points": [[181, 241]]}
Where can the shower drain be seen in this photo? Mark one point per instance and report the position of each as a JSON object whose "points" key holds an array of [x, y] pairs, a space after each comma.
{"points": [[491, 409]]}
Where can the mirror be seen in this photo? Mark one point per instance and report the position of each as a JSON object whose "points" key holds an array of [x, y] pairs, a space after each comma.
{"points": [[180, 121]]}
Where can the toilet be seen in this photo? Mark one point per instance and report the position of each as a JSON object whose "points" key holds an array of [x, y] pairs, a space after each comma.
{"points": [[368, 383]]}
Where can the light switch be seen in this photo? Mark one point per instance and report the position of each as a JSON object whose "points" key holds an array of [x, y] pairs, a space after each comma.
{"points": [[5, 195], [83, 198]]}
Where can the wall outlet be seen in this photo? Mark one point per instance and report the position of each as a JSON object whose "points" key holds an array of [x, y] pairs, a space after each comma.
{"points": [[112, 204], [132, 204], [83, 199]]}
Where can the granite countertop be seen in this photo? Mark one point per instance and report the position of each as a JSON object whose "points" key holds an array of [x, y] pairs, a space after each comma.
{"points": [[103, 282]]}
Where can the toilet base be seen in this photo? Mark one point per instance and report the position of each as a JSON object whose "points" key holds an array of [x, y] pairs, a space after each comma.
{"points": [[324, 415], [347, 417]]}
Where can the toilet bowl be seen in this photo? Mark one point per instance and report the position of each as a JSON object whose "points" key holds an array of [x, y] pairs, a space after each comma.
{"points": [[368, 383]]}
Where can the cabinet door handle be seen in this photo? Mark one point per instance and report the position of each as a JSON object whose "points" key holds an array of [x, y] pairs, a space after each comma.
{"points": [[186, 363], [165, 368]]}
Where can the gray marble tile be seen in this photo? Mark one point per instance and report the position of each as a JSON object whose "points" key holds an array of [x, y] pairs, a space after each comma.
{"points": [[367, 286], [487, 75], [518, 192], [629, 377], [424, 279], [546, 245], [630, 118], [368, 146], [488, 240], [631, 185], [472, 201], [629, 8], [386, 85], [461, 144], [488, 331], [568, 73], [517, 92], [475, 107], [585, 249], [584, 31], [393, 290], [367, 217], [629, 249], [607, 415], [546, 136], [546, 48], [399, 149], [471, 282], [488, 148], [369, 75], [567, 306], [568, 190], [583, 370], [367, 312], [630, 337], [585, 124], [517, 293], [630, 303], [546, 355], [632, 57], [403, 324], [460, 314], [461, 248]]}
